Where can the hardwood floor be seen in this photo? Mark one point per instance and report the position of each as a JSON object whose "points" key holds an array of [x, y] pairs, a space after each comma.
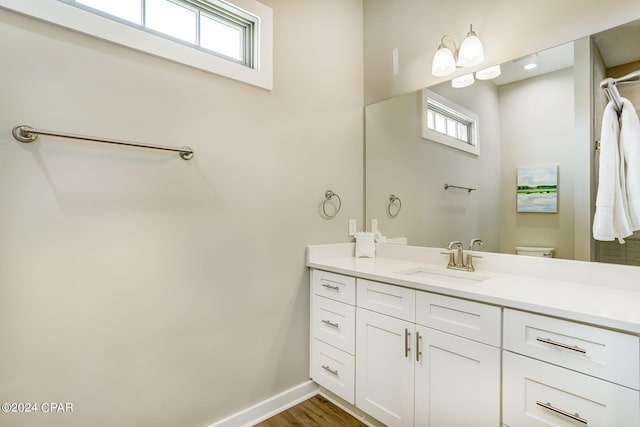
{"points": [[316, 411]]}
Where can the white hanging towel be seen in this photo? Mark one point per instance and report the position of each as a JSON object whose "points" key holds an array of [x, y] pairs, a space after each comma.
{"points": [[630, 147], [611, 220]]}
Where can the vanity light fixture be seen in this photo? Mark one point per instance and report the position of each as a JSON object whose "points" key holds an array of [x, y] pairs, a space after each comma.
{"points": [[463, 81], [489, 73], [470, 54], [468, 80]]}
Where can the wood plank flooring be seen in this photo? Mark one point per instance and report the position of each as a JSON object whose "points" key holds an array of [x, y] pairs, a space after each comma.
{"points": [[313, 412]]}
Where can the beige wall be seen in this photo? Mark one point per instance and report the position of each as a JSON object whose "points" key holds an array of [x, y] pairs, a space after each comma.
{"points": [[399, 161], [508, 29], [144, 289], [537, 128]]}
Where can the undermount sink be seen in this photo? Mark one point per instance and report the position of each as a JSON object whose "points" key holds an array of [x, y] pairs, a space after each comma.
{"points": [[445, 277]]}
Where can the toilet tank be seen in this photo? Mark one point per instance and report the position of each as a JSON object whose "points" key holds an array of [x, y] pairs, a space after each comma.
{"points": [[535, 251]]}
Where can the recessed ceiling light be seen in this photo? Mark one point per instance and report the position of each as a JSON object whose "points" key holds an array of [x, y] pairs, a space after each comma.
{"points": [[530, 66]]}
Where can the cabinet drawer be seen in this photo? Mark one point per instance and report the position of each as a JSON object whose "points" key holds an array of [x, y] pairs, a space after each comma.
{"points": [[334, 323], [537, 394], [335, 286], [468, 319], [605, 354], [333, 369], [391, 300]]}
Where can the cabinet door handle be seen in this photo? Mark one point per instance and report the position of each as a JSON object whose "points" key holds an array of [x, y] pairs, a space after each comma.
{"points": [[559, 344], [407, 335], [418, 352], [333, 288], [574, 417], [331, 371], [330, 323]]}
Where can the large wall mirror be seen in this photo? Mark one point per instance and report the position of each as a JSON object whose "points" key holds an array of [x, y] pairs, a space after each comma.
{"points": [[529, 120]]}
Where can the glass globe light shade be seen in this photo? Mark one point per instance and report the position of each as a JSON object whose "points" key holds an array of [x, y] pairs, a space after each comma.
{"points": [[463, 81], [443, 62], [488, 73], [471, 52]]}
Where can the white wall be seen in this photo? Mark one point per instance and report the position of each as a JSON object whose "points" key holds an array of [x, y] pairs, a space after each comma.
{"points": [[538, 128], [508, 30], [144, 289]]}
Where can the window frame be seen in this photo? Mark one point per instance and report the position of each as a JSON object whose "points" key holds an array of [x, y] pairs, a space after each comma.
{"points": [[125, 33], [450, 110]]}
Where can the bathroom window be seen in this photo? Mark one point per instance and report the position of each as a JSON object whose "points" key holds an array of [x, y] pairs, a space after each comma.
{"points": [[449, 124], [218, 27], [233, 40]]}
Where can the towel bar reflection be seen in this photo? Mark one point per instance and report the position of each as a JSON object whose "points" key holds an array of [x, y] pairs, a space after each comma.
{"points": [[448, 186], [26, 134]]}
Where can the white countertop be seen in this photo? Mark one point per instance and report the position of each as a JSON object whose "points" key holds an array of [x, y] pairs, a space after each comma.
{"points": [[615, 305]]}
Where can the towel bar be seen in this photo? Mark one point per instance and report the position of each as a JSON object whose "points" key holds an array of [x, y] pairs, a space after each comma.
{"points": [[26, 134]]}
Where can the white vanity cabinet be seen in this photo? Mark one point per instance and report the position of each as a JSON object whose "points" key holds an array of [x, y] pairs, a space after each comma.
{"points": [[332, 349], [561, 373], [421, 359], [412, 358]]}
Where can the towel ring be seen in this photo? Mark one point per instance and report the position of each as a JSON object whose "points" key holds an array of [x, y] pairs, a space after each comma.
{"points": [[329, 195], [392, 202]]}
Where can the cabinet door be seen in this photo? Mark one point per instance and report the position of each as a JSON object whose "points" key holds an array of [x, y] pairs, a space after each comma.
{"points": [[384, 367], [457, 381]]}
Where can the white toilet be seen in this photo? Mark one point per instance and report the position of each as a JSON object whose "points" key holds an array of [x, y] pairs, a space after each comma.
{"points": [[535, 251]]}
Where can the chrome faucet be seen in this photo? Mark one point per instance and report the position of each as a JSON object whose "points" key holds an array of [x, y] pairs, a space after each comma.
{"points": [[457, 260]]}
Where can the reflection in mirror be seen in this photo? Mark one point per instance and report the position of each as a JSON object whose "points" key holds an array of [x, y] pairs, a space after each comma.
{"points": [[526, 117]]}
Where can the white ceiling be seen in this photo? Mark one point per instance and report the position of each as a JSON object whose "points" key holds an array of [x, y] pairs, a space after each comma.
{"points": [[619, 45], [547, 61]]}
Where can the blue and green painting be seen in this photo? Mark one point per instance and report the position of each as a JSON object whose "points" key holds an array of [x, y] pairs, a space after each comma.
{"points": [[538, 189]]}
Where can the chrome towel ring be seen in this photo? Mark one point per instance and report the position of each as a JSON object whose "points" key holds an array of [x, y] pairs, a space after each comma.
{"points": [[394, 201], [328, 196]]}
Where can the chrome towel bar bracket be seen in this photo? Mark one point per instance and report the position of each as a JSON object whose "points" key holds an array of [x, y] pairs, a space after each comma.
{"points": [[26, 134]]}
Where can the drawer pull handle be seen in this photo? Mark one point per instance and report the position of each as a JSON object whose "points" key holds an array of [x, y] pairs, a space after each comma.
{"points": [[328, 322], [574, 417], [333, 288], [418, 352], [559, 344], [331, 371], [407, 334]]}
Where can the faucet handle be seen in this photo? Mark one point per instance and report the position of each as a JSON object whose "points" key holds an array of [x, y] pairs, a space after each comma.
{"points": [[473, 242], [451, 257]]}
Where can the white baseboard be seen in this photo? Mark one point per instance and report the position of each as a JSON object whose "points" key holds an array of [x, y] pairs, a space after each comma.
{"points": [[348, 408], [270, 407]]}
